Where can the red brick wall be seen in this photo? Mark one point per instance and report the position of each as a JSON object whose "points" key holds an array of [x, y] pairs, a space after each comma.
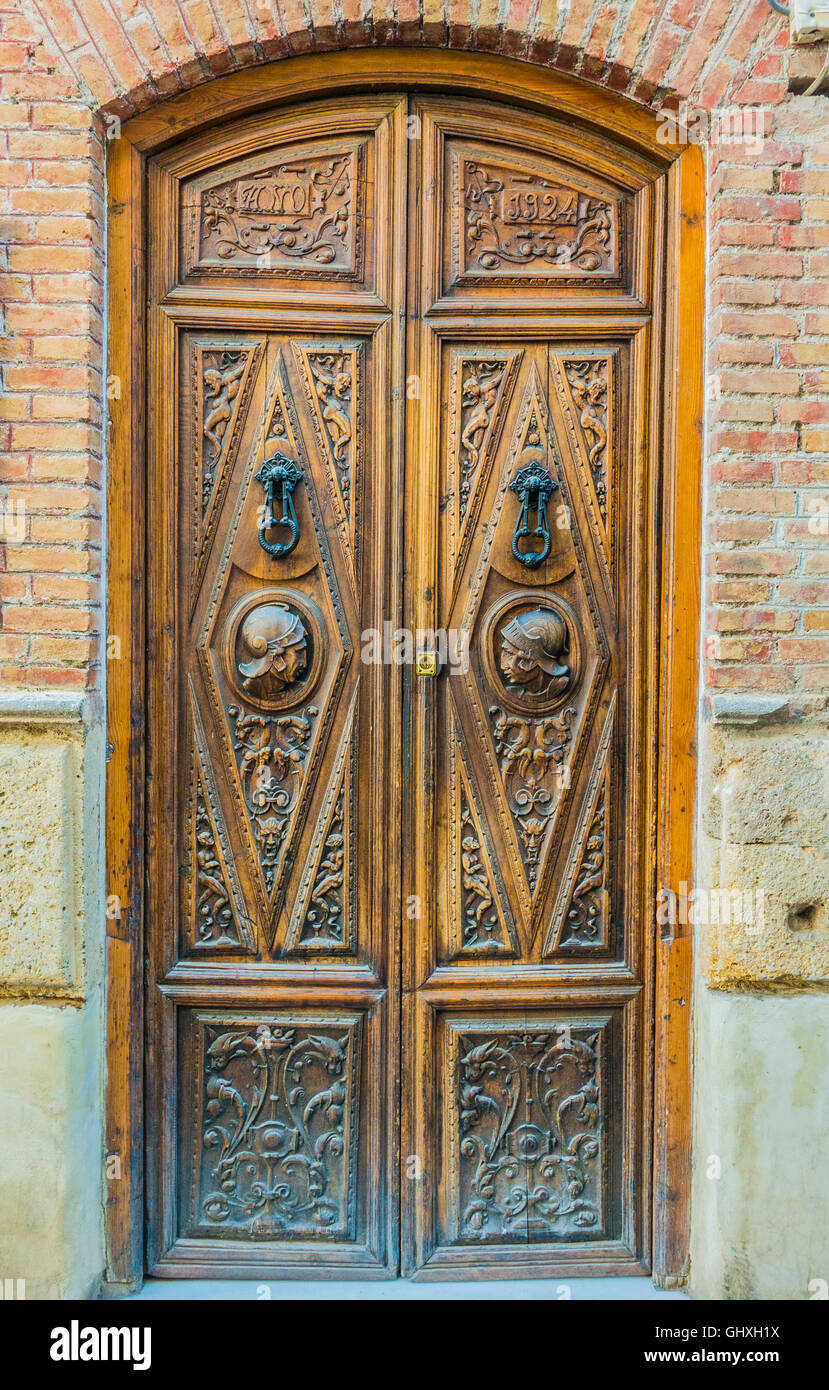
{"points": [[64, 62]]}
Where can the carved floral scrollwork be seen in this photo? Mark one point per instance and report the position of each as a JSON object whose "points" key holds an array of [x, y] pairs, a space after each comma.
{"points": [[324, 914], [215, 924], [530, 754], [223, 375], [523, 219], [529, 1120], [271, 752], [276, 1127], [481, 927], [583, 922], [332, 378]]}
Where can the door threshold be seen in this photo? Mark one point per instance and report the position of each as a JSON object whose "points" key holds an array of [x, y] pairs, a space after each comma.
{"points": [[403, 1290]]}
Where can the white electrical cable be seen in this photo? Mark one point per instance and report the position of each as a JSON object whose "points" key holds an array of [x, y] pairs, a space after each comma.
{"points": [[810, 91]]}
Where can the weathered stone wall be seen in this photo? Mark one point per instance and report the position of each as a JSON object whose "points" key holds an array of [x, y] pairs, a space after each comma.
{"points": [[764, 841], [51, 993], [68, 70], [760, 1225]]}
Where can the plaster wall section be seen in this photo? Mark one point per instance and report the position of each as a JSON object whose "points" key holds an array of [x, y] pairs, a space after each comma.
{"points": [[52, 1017]]}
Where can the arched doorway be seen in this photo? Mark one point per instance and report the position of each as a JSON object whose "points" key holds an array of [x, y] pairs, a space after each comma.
{"points": [[412, 634]]}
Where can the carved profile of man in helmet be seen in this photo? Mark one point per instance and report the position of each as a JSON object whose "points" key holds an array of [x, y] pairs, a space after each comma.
{"points": [[531, 657], [277, 640]]}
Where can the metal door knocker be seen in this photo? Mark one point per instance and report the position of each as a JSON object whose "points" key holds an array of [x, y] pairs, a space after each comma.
{"points": [[533, 487], [278, 475]]}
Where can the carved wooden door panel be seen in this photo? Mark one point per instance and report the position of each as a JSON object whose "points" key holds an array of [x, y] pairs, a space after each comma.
{"points": [[273, 1002], [525, 975], [401, 362]]}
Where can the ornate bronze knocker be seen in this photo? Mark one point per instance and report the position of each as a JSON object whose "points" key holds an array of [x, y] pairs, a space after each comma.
{"points": [[278, 474], [533, 487]]}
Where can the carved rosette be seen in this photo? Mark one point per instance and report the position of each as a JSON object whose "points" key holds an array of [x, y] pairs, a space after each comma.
{"points": [[277, 1139], [526, 1126]]}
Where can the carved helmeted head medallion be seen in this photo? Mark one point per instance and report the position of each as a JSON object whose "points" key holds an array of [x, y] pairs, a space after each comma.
{"points": [[532, 647], [276, 638], [531, 651], [274, 648]]}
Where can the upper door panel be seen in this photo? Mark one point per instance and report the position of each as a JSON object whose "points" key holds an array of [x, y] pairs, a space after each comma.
{"points": [[299, 214], [294, 204], [513, 219], [531, 215]]}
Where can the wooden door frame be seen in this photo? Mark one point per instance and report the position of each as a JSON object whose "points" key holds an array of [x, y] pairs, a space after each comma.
{"points": [[680, 424]]}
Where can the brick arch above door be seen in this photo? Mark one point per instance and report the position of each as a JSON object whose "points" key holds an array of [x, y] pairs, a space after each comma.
{"points": [[129, 54]]}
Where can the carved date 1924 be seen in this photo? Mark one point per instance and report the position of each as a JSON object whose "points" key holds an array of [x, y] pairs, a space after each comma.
{"points": [[524, 220]]}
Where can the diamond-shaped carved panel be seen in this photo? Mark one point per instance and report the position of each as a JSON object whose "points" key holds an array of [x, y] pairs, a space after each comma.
{"points": [[538, 651], [275, 646]]}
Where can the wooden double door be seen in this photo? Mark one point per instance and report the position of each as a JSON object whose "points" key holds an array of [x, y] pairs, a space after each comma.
{"points": [[402, 552]]}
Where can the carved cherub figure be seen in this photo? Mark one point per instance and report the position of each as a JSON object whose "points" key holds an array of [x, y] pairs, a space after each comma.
{"points": [[474, 878], [590, 393], [333, 387], [532, 647], [223, 385], [480, 391], [278, 642]]}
